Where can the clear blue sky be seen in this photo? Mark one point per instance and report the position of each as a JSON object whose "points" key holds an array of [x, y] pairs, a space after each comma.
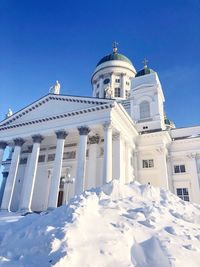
{"points": [[42, 41]]}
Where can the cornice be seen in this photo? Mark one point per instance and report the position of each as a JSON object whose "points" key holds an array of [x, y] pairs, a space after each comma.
{"points": [[186, 140], [48, 98], [61, 116], [161, 133]]}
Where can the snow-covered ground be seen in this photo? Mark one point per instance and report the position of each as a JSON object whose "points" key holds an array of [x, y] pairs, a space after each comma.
{"points": [[116, 226]]}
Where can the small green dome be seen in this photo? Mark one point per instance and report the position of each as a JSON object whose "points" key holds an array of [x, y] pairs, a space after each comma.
{"points": [[144, 71], [114, 56]]}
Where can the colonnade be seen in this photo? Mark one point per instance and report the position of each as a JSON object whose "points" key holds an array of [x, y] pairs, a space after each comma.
{"points": [[32, 164]]}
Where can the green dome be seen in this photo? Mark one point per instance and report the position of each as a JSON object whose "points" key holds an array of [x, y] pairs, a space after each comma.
{"points": [[144, 71], [114, 56]]}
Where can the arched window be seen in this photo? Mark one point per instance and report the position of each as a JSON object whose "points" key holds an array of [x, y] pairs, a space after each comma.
{"points": [[144, 110]]}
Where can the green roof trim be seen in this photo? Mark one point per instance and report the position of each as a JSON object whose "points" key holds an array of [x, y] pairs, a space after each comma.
{"points": [[114, 56]]}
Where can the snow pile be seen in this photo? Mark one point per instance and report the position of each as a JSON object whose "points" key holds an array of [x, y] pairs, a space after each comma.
{"points": [[115, 226]]}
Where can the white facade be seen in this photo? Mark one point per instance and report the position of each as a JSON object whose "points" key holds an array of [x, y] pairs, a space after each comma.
{"points": [[62, 145]]}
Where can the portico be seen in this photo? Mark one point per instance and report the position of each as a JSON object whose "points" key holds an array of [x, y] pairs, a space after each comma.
{"points": [[75, 149]]}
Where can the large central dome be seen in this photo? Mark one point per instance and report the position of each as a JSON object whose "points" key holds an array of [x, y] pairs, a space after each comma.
{"points": [[114, 56], [112, 76]]}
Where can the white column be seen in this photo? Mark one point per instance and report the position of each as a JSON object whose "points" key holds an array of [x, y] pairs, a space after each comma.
{"points": [[123, 85], [101, 91], [93, 146], [10, 184], [112, 83], [29, 179], [107, 161], [81, 160], [57, 168], [2, 148], [29, 151], [3, 184]]}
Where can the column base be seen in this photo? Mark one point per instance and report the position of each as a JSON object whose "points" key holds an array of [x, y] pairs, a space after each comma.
{"points": [[4, 210], [25, 210], [51, 208]]}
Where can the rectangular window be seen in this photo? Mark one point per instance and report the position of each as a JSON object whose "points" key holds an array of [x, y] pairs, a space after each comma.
{"points": [[183, 193], [51, 157], [41, 158], [117, 92], [23, 161], [52, 147], [117, 80], [98, 85], [179, 168], [69, 155], [127, 94], [147, 163]]}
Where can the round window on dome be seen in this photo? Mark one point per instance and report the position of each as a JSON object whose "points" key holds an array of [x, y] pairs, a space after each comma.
{"points": [[106, 81]]}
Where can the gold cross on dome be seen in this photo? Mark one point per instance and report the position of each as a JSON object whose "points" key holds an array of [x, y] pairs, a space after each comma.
{"points": [[145, 61], [115, 45]]}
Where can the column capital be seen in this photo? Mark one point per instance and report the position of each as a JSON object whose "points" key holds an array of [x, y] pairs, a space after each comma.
{"points": [[37, 138], [83, 130], [107, 125], [18, 142], [3, 145], [61, 134], [191, 155], [116, 136], [161, 150], [94, 139]]}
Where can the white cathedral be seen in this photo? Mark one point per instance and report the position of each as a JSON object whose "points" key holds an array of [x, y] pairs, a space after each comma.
{"points": [[61, 145]]}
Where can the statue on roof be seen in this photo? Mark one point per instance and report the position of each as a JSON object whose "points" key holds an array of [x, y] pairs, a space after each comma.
{"points": [[9, 113], [55, 89], [108, 91]]}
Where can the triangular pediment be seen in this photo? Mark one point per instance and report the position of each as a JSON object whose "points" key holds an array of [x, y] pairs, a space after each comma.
{"points": [[52, 106]]}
